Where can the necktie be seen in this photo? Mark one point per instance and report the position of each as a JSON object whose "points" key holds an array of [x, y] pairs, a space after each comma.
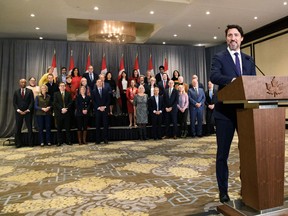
{"points": [[91, 76], [100, 92], [237, 63], [196, 89], [170, 92], [210, 94], [63, 99], [22, 93], [157, 102], [164, 84]]}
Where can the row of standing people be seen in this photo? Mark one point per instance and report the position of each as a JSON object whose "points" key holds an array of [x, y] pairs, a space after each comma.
{"points": [[44, 113]]}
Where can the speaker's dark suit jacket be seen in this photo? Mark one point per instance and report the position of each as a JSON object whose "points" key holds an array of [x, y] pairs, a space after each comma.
{"points": [[223, 70], [26, 103]]}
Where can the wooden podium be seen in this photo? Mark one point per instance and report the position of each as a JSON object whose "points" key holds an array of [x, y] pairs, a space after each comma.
{"points": [[261, 132]]}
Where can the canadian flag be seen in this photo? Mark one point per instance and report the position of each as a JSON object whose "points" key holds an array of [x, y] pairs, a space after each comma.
{"points": [[136, 65], [53, 65], [121, 69], [71, 65], [88, 63], [166, 66], [150, 66], [104, 65]]}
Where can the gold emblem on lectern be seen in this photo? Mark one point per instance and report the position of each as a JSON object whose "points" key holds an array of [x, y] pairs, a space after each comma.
{"points": [[275, 88]]}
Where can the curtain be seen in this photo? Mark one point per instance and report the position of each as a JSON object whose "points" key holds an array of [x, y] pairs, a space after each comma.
{"points": [[26, 58]]}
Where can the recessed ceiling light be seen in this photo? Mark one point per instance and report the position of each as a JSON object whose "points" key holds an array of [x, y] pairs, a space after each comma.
{"points": [[215, 37], [255, 17], [284, 3], [37, 28], [175, 35], [96, 8], [163, 42], [151, 12], [189, 25], [41, 38], [207, 12], [32, 15]]}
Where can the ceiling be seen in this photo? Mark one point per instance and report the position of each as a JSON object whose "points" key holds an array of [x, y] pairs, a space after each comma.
{"points": [[170, 17]]}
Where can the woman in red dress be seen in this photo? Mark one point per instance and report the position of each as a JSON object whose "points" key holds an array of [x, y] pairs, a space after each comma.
{"points": [[130, 94], [76, 78]]}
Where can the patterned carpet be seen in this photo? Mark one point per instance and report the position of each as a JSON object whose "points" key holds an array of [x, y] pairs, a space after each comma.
{"points": [[125, 178]]}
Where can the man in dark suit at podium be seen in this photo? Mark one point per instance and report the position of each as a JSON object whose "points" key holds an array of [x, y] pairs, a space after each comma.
{"points": [[226, 67], [23, 102]]}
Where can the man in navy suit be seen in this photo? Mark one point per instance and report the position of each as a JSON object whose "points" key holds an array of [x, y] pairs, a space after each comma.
{"points": [[170, 97], [155, 106], [23, 102], [196, 97], [211, 99], [91, 77], [101, 101], [226, 67]]}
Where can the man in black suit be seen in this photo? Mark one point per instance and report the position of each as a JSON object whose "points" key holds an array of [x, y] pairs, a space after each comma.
{"points": [[211, 99], [171, 96], [62, 104], [156, 106], [101, 101], [91, 78], [52, 86], [23, 102], [226, 66], [163, 84]]}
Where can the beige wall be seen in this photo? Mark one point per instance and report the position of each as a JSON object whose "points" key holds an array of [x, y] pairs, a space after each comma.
{"points": [[270, 54]]}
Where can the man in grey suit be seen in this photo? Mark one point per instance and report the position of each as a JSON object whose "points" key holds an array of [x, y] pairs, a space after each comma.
{"points": [[23, 102]]}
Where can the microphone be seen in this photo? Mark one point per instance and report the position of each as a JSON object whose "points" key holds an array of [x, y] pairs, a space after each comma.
{"points": [[250, 59]]}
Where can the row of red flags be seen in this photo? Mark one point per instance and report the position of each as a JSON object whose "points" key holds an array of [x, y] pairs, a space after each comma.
{"points": [[104, 65]]}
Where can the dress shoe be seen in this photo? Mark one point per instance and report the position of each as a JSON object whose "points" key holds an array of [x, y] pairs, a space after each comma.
{"points": [[106, 141], [58, 144], [97, 142], [69, 143], [175, 137], [224, 198]]}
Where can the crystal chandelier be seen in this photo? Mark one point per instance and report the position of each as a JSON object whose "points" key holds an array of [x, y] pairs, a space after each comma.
{"points": [[112, 31]]}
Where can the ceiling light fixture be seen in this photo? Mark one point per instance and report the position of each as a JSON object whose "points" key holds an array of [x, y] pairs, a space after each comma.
{"points": [[96, 8], [285, 3], [215, 37], [112, 31], [37, 28], [207, 12], [175, 35], [41, 38], [189, 25], [152, 12], [163, 42], [32, 15], [255, 17]]}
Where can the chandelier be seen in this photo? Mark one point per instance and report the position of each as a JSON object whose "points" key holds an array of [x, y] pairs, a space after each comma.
{"points": [[112, 31]]}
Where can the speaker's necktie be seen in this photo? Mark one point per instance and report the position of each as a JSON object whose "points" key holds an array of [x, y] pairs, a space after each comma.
{"points": [[237, 63]]}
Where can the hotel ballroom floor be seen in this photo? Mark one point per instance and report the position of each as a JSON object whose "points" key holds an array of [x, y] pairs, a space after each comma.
{"points": [[123, 178]]}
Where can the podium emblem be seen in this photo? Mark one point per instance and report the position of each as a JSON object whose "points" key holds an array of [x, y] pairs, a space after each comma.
{"points": [[274, 88]]}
